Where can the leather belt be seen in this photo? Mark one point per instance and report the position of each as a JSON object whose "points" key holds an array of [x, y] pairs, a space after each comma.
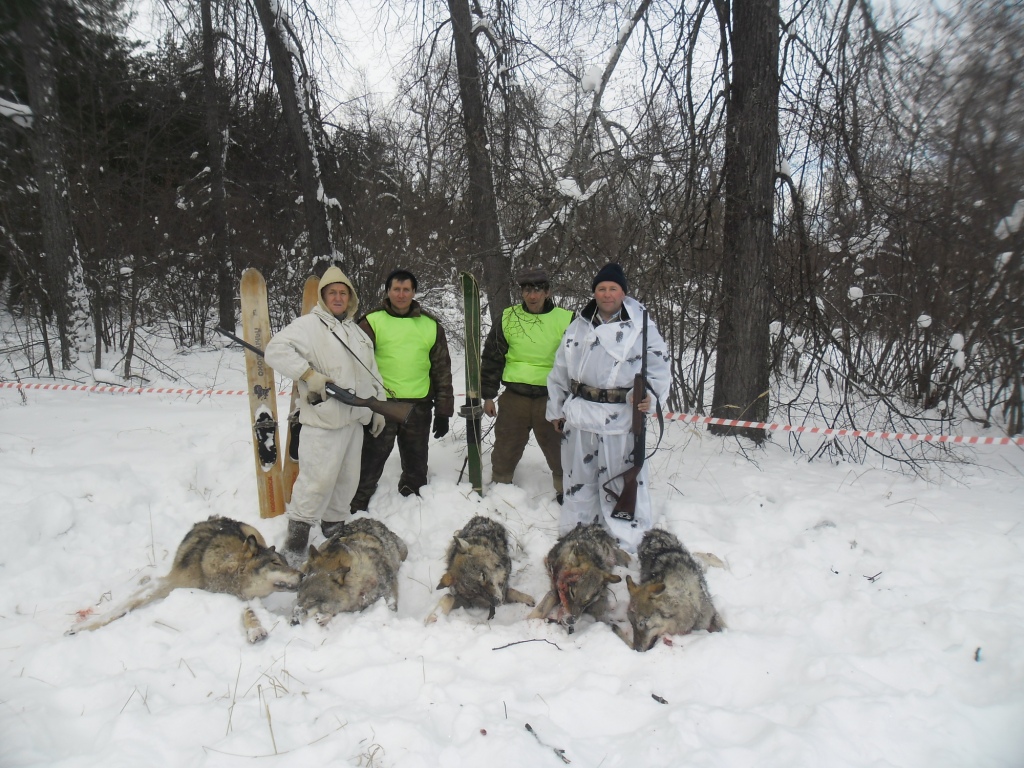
{"points": [[595, 395]]}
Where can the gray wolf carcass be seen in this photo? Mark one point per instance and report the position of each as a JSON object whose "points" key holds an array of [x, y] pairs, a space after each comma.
{"points": [[356, 567], [672, 596], [217, 555], [580, 565], [478, 569]]}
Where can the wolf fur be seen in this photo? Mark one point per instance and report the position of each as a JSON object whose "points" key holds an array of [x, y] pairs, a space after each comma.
{"points": [[217, 555], [580, 565], [672, 596], [356, 567], [478, 569]]}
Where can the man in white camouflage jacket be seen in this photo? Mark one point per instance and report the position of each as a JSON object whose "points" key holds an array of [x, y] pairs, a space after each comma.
{"points": [[589, 402]]}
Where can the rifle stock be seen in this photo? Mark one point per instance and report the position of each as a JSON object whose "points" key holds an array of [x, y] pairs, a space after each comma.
{"points": [[389, 409], [392, 410], [625, 502]]}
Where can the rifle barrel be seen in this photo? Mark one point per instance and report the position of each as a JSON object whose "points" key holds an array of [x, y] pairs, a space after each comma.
{"points": [[390, 410]]}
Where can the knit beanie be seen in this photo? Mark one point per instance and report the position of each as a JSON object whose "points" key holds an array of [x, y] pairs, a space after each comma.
{"points": [[610, 273]]}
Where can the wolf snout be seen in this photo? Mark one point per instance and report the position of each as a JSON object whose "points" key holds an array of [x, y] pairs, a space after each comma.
{"points": [[642, 647]]}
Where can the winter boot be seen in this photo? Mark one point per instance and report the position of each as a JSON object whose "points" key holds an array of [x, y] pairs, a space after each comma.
{"points": [[329, 529], [295, 544]]}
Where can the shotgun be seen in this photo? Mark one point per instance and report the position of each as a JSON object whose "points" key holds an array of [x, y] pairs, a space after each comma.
{"points": [[625, 502], [392, 410]]}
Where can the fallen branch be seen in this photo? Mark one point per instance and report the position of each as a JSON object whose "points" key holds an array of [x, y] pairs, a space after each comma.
{"points": [[519, 642], [559, 752]]}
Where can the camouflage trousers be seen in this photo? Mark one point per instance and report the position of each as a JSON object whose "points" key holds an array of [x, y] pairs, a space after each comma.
{"points": [[412, 438], [590, 459], [518, 415]]}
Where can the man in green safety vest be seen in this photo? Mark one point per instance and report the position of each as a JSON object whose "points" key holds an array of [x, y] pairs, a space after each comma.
{"points": [[412, 356], [519, 353]]}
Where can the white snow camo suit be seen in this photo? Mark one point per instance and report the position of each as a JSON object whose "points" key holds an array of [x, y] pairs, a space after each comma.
{"points": [[596, 442]]}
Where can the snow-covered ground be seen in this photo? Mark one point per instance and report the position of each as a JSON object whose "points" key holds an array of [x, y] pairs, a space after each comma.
{"points": [[875, 619]]}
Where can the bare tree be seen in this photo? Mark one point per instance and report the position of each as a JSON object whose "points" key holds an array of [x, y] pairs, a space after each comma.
{"points": [[751, 152], [65, 284], [215, 135], [293, 90], [481, 202]]}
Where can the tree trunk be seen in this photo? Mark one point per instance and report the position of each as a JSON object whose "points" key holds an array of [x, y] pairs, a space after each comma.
{"points": [[480, 198], [751, 149], [216, 150], [64, 284], [297, 117]]}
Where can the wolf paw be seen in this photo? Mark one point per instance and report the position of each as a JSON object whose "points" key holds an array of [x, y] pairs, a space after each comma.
{"points": [[255, 635], [254, 630]]}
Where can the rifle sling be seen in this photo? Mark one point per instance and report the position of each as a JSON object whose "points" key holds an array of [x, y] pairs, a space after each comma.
{"points": [[390, 393]]}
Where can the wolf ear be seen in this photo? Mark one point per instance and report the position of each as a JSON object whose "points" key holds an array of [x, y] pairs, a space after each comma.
{"points": [[312, 552], [612, 578], [344, 559], [446, 580], [251, 545], [653, 590], [632, 586]]}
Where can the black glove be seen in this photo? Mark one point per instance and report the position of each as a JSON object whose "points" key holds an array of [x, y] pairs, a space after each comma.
{"points": [[440, 426]]}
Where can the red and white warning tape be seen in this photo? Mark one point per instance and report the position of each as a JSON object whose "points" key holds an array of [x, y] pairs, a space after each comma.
{"points": [[684, 417], [958, 439], [123, 390]]}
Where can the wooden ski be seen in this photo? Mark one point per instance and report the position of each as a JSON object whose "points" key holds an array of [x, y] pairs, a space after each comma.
{"points": [[262, 395], [310, 295], [472, 411]]}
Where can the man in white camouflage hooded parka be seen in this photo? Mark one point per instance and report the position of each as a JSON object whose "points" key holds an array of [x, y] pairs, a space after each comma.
{"points": [[326, 346], [589, 401]]}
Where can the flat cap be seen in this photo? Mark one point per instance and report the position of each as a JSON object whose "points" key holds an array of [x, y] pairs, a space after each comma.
{"points": [[532, 276]]}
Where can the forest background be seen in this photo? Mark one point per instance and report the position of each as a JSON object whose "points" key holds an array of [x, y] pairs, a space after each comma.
{"points": [[820, 202]]}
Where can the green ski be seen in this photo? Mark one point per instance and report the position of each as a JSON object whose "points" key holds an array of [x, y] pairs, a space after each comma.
{"points": [[472, 411]]}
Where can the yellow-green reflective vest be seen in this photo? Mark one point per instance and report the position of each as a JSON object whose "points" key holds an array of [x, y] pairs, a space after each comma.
{"points": [[532, 343], [403, 352]]}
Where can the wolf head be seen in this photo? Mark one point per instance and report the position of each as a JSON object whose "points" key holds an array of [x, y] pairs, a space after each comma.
{"points": [[264, 571], [649, 622], [326, 588], [580, 588], [477, 574], [354, 569], [675, 602]]}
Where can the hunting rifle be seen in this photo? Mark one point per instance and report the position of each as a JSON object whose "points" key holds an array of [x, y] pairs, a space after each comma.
{"points": [[392, 410], [625, 502]]}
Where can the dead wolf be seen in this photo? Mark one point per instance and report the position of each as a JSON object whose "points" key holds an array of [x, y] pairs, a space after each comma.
{"points": [[580, 565], [672, 596], [217, 555], [478, 568], [356, 567]]}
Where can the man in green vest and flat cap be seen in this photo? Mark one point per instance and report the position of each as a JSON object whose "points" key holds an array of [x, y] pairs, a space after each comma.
{"points": [[412, 356], [519, 353]]}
